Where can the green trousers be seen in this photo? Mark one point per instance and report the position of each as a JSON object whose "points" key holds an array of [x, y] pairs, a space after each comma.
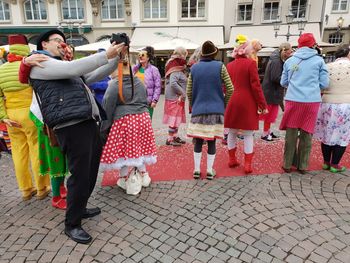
{"points": [[150, 112], [297, 152]]}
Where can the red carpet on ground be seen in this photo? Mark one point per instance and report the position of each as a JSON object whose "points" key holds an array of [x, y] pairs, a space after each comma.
{"points": [[176, 163]]}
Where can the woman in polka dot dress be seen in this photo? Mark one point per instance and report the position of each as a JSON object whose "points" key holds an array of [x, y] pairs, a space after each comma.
{"points": [[130, 143]]}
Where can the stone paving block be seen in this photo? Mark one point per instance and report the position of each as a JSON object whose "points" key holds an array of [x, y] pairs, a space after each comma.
{"points": [[247, 239], [265, 257], [156, 254], [138, 257], [202, 246], [174, 253], [293, 259], [246, 257], [300, 252], [317, 258], [262, 246], [47, 257], [203, 256]]}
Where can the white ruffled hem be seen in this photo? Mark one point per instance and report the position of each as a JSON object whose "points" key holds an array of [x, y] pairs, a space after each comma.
{"points": [[131, 162]]}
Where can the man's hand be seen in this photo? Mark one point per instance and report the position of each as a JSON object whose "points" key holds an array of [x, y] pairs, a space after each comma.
{"points": [[114, 50], [35, 59], [12, 123], [153, 104]]}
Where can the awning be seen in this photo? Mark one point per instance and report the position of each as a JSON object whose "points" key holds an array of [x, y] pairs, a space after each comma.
{"points": [[168, 38], [93, 47], [266, 34]]}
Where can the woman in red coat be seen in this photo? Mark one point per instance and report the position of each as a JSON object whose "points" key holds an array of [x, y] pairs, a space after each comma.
{"points": [[246, 103]]}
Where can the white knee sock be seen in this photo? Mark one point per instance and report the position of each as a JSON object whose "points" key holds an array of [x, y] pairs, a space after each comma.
{"points": [[248, 142], [210, 162], [123, 172], [197, 161], [232, 138]]}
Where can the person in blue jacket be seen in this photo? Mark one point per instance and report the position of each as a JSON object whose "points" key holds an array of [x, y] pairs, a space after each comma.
{"points": [[101, 86], [304, 75]]}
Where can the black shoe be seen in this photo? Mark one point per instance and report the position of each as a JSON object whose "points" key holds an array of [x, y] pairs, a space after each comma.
{"points": [[273, 136], [78, 234], [179, 140], [91, 212], [196, 175], [267, 138], [173, 143]]}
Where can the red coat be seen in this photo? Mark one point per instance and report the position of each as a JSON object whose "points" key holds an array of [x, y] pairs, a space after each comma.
{"points": [[241, 111]]}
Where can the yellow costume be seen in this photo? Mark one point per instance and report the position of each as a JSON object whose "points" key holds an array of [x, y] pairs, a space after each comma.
{"points": [[15, 100]]}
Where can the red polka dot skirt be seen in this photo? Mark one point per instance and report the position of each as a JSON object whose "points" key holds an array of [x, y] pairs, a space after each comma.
{"points": [[130, 143]]}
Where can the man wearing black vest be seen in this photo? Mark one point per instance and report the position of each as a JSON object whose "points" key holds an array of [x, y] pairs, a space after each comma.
{"points": [[69, 108]]}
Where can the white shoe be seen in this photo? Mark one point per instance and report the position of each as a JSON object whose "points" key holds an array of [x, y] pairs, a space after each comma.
{"points": [[121, 183], [146, 180]]}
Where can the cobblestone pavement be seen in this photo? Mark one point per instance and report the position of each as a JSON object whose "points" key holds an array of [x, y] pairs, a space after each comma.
{"points": [[271, 218], [267, 218]]}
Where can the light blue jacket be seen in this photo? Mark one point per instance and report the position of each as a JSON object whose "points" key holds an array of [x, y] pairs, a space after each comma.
{"points": [[304, 74]]}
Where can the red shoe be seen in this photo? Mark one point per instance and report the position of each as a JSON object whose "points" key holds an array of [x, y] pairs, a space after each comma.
{"points": [[232, 158], [63, 191], [59, 203], [248, 157]]}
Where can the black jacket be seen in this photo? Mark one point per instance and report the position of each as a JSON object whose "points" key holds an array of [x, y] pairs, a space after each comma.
{"points": [[63, 100], [273, 91]]}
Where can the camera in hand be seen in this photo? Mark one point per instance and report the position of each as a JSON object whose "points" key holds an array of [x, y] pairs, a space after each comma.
{"points": [[120, 38]]}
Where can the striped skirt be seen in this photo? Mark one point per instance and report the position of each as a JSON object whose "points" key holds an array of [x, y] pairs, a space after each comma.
{"points": [[300, 115], [207, 127]]}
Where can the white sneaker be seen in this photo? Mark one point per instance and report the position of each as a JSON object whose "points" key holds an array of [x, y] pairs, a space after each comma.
{"points": [[121, 183], [146, 180]]}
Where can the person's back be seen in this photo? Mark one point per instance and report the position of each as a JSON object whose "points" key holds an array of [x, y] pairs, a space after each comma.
{"points": [[339, 79], [133, 104], [305, 73], [207, 94]]}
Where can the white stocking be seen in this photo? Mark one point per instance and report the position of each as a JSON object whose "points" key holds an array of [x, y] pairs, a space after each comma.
{"points": [[232, 138], [248, 142]]}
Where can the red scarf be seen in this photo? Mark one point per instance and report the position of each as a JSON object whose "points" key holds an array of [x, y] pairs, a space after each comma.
{"points": [[173, 65], [13, 57]]}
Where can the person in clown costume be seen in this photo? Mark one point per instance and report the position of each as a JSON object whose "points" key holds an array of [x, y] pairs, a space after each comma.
{"points": [[248, 99], [149, 76], [52, 161], [14, 112]]}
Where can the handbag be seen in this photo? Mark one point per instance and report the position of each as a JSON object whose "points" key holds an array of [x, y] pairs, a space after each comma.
{"points": [[134, 182], [51, 134], [46, 129]]}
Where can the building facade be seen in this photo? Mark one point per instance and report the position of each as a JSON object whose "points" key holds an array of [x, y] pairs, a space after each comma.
{"points": [[190, 22], [336, 22]]}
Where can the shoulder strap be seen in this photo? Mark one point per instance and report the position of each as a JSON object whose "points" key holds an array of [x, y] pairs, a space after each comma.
{"points": [[291, 75]]}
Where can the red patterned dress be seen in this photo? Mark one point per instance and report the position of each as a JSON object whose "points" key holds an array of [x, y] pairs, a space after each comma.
{"points": [[131, 139]]}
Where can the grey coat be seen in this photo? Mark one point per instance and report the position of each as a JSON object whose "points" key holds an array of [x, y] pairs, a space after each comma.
{"points": [[273, 91]]}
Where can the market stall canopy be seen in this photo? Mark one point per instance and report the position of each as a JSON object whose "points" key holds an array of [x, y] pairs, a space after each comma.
{"points": [[168, 38], [173, 43], [31, 46], [266, 34], [93, 47]]}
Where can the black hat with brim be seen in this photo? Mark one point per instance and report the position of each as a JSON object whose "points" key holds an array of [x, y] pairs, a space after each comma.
{"points": [[44, 36]]}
